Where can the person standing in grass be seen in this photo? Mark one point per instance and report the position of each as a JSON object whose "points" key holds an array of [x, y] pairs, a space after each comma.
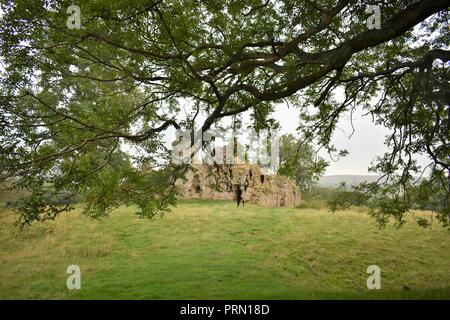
{"points": [[239, 196]]}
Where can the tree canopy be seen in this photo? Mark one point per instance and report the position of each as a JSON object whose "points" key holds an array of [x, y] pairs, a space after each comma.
{"points": [[70, 98]]}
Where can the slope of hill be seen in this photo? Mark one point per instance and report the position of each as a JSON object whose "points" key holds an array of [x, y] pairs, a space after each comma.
{"points": [[335, 180]]}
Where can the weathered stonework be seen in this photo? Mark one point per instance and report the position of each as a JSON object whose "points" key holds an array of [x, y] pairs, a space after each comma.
{"points": [[221, 182]]}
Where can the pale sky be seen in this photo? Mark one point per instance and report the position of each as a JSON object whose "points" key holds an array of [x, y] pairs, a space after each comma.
{"points": [[363, 146]]}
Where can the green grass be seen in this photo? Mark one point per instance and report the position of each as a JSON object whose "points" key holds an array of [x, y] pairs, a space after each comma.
{"points": [[211, 250]]}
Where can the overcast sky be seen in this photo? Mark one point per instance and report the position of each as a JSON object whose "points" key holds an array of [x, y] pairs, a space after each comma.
{"points": [[363, 146]]}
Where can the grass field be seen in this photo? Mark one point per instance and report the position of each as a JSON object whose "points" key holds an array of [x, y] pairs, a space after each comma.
{"points": [[211, 250]]}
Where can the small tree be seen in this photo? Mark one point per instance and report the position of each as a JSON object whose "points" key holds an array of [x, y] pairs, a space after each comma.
{"points": [[299, 161]]}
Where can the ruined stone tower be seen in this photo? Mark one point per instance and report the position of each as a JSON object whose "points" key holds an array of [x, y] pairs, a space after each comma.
{"points": [[221, 181]]}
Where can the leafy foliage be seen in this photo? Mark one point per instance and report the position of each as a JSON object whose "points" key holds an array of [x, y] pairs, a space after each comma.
{"points": [[74, 101]]}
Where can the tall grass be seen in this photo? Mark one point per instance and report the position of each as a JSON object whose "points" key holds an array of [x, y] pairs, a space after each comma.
{"points": [[213, 250]]}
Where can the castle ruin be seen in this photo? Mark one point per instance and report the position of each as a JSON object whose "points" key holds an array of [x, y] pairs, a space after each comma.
{"points": [[219, 182]]}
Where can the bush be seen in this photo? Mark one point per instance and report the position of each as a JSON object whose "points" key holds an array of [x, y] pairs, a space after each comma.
{"points": [[321, 198]]}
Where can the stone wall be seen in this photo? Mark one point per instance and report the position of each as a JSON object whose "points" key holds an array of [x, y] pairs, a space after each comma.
{"points": [[221, 182]]}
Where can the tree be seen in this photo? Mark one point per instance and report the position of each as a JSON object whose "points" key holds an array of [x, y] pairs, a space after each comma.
{"points": [[69, 95], [299, 161]]}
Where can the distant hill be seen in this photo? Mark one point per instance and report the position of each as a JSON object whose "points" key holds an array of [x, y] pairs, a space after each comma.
{"points": [[336, 180]]}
